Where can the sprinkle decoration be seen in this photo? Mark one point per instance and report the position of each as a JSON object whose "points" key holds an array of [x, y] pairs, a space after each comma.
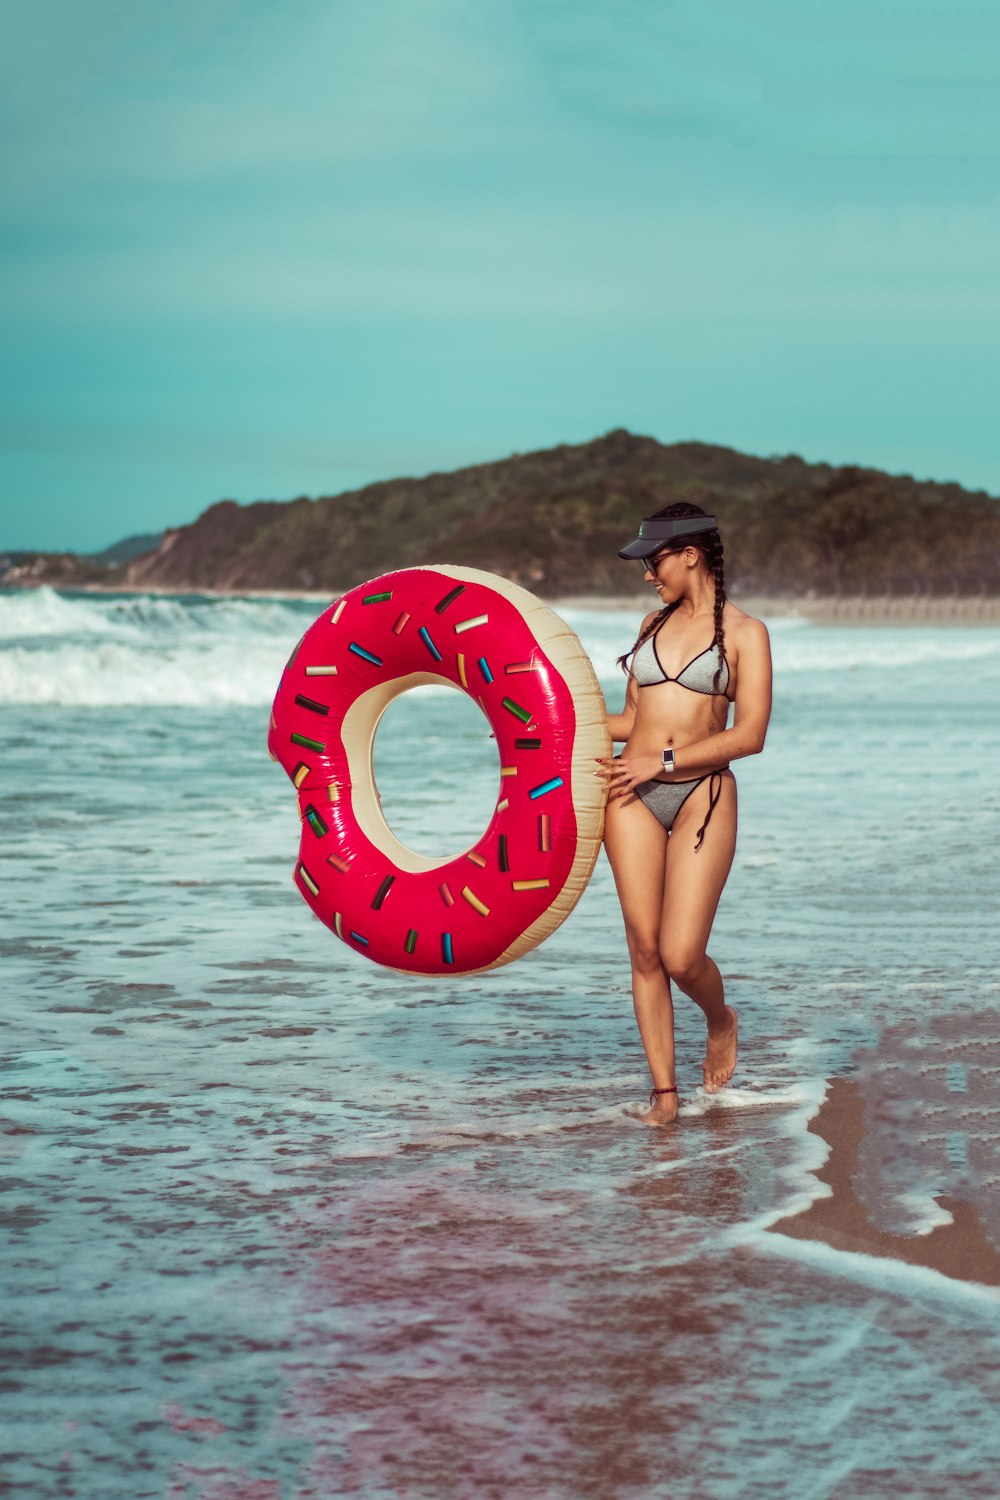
{"points": [[315, 822], [338, 864], [524, 714], [447, 952], [471, 624], [382, 892], [401, 623], [311, 704], [442, 604], [376, 661], [307, 880], [377, 598], [546, 786], [307, 743], [425, 637], [475, 903], [484, 667]]}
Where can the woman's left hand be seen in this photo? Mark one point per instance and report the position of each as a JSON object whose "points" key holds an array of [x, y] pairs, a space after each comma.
{"points": [[624, 772]]}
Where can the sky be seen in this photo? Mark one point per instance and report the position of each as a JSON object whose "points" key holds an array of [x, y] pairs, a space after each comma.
{"points": [[253, 250]]}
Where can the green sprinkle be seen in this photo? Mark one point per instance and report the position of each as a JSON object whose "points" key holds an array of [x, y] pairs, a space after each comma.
{"points": [[376, 598], [308, 744], [515, 708]]}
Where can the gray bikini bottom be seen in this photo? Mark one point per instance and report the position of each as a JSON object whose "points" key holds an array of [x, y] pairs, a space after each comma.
{"points": [[666, 798]]}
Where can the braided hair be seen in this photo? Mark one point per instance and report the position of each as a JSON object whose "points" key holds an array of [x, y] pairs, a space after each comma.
{"points": [[709, 544]]}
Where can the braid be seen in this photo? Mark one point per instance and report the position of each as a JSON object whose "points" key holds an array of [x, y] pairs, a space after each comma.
{"points": [[717, 569]]}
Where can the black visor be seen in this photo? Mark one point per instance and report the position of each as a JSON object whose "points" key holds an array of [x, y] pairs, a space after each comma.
{"points": [[656, 531]]}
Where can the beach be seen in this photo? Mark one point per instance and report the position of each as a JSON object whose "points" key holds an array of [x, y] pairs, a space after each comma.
{"points": [[282, 1224]]}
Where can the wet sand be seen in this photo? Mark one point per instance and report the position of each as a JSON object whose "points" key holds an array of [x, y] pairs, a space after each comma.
{"points": [[959, 1249]]}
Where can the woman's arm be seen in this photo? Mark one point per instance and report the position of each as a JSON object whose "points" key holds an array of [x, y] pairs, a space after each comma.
{"points": [[620, 725], [750, 721]]}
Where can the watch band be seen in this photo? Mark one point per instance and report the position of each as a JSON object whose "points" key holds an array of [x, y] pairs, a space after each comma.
{"points": [[668, 760]]}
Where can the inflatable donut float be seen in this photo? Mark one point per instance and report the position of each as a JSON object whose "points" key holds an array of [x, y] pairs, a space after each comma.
{"points": [[528, 672]]}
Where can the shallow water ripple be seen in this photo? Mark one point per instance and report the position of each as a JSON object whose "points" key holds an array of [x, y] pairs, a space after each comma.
{"points": [[282, 1225]]}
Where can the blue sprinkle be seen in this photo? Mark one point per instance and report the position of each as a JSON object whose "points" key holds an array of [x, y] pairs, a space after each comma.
{"points": [[484, 667], [446, 951], [368, 655], [546, 786], [425, 637], [359, 939]]}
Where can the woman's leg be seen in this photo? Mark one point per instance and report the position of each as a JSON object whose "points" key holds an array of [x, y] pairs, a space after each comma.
{"points": [[692, 888], [636, 845]]}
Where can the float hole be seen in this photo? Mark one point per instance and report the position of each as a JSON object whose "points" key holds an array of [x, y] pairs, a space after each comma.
{"points": [[436, 770]]}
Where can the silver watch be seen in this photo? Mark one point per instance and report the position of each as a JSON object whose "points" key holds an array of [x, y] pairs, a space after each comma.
{"points": [[668, 760]]}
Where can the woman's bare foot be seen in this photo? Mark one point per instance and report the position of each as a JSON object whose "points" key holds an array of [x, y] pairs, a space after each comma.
{"points": [[663, 1112], [720, 1053]]}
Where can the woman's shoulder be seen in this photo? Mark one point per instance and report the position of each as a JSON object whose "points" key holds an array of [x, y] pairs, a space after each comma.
{"points": [[742, 627]]}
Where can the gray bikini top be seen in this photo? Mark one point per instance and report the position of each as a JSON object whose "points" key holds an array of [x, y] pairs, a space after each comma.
{"points": [[698, 675]]}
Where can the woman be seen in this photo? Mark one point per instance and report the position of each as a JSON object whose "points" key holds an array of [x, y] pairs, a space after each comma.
{"points": [[670, 828]]}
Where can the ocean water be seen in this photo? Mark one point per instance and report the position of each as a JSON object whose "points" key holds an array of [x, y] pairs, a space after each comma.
{"points": [[281, 1224]]}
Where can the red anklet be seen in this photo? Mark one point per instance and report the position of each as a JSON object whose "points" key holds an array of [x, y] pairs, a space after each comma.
{"points": [[654, 1092]]}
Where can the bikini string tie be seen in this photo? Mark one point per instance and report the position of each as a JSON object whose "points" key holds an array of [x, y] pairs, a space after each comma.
{"points": [[713, 797]]}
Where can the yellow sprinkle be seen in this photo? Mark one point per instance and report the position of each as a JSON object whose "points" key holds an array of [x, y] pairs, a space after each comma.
{"points": [[300, 776], [503, 806], [333, 792], [338, 612], [508, 770], [528, 885], [321, 671], [477, 859], [475, 902], [461, 671], [337, 926]]}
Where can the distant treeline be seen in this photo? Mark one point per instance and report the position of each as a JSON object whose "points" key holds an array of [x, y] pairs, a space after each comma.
{"points": [[554, 520]]}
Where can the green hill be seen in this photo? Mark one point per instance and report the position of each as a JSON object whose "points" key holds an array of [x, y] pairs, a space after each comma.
{"points": [[554, 520]]}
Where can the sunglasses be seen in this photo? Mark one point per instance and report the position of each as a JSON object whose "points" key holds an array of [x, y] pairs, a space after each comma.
{"points": [[652, 563]]}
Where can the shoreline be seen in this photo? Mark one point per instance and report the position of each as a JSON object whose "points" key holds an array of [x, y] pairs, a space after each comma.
{"points": [[959, 1250], [861, 610]]}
